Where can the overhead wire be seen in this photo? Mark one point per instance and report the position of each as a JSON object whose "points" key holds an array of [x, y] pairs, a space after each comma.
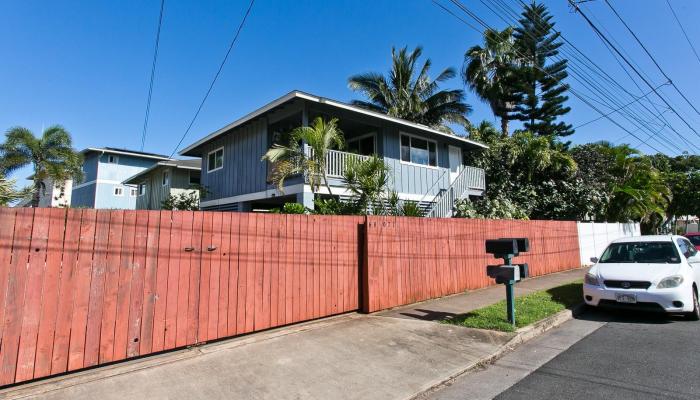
{"points": [[582, 77], [153, 74], [481, 22], [216, 76]]}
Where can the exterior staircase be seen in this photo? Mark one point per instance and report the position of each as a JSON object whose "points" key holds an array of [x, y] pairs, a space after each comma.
{"points": [[469, 180]]}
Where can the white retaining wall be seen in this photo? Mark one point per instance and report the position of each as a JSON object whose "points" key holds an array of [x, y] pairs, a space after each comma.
{"points": [[594, 237]]}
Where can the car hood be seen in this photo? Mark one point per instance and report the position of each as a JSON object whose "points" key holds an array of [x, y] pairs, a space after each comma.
{"points": [[635, 271]]}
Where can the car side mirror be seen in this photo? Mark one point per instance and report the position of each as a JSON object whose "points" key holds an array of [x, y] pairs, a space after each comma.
{"points": [[594, 260]]}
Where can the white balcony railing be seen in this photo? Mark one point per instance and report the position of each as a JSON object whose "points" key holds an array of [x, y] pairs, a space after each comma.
{"points": [[336, 161]]}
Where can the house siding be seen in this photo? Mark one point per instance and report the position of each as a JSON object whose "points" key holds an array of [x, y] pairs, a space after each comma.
{"points": [[156, 192], [83, 196], [102, 177], [243, 172], [105, 198], [411, 178]]}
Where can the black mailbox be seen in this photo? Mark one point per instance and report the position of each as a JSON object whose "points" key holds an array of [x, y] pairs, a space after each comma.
{"points": [[502, 247], [503, 273], [523, 244]]}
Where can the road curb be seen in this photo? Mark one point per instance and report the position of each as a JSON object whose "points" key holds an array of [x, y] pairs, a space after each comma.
{"points": [[522, 335]]}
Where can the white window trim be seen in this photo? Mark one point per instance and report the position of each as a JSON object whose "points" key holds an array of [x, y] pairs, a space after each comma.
{"points": [[133, 192], [366, 135], [114, 192], [222, 159], [437, 152], [163, 181], [116, 159], [138, 189]]}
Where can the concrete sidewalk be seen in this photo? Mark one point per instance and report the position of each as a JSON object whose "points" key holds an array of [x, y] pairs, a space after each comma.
{"points": [[390, 355]]}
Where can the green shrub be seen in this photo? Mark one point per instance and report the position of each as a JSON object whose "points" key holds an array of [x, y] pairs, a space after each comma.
{"points": [[411, 209], [290, 208]]}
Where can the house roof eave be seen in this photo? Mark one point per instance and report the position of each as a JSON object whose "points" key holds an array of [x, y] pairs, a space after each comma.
{"points": [[189, 150]]}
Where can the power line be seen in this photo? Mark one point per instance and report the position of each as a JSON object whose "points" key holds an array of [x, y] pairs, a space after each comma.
{"points": [[620, 108], [216, 76], [683, 30], [153, 74], [650, 56], [600, 34], [574, 92], [595, 68], [583, 78]]}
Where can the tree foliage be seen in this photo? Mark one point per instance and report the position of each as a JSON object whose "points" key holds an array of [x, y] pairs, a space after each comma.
{"points": [[409, 93], [51, 155], [185, 201], [539, 86], [489, 71], [293, 158]]}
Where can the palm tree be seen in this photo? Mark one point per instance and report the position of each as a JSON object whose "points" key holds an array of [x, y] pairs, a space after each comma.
{"points": [[367, 180], [411, 94], [489, 72], [293, 159], [638, 191], [51, 155]]}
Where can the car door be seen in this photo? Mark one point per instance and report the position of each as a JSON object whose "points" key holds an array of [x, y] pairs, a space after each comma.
{"points": [[692, 255]]}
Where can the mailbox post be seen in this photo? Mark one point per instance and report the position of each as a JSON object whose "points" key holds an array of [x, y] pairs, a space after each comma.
{"points": [[508, 274]]}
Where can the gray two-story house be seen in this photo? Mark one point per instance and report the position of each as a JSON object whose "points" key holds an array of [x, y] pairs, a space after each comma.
{"points": [[426, 164]]}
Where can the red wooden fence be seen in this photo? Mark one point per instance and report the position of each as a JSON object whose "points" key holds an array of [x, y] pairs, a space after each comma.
{"points": [[415, 259], [80, 288]]}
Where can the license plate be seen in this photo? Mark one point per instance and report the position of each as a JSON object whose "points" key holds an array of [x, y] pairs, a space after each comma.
{"points": [[626, 298]]}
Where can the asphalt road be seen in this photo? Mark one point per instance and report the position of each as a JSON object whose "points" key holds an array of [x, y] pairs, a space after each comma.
{"points": [[632, 356]]}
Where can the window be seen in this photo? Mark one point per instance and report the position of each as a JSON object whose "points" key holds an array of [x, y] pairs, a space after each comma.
{"points": [[215, 161], [119, 191], [194, 178], [695, 239], [112, 159], [364, 145], [166, 178], [132, 192], [641, 252], [686, 247], [418, 151], [142, 189]]}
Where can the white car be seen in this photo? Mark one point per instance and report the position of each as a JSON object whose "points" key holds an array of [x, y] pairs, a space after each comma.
{"points": [[655, 273]]}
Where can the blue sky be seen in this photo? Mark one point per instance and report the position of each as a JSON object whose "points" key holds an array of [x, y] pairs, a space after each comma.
{"points": [[86, 64]]}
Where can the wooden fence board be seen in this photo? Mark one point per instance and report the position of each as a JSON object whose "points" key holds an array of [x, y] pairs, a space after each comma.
{"points": [[160, 296], [50, 291], [32, 297], [7, 220], [150, 282], [97, 285], [15, 295], [111, 287], [69, 276]]}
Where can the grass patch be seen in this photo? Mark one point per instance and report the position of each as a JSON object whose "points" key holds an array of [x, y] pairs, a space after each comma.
{"points": [[528, 309]]}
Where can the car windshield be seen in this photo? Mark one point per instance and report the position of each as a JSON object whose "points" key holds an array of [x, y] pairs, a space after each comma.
{"points": [[641, 252], [695, 240]]}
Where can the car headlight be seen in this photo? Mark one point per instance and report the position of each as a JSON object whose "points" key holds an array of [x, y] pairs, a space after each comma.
{"points": [[591, 279], [670, 282]]}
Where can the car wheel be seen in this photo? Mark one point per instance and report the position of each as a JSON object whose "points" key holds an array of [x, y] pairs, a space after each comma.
{"points": [[695, 315]]}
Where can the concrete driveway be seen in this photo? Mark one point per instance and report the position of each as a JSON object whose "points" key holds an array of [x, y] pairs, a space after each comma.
{"points": [[348, 357]]}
